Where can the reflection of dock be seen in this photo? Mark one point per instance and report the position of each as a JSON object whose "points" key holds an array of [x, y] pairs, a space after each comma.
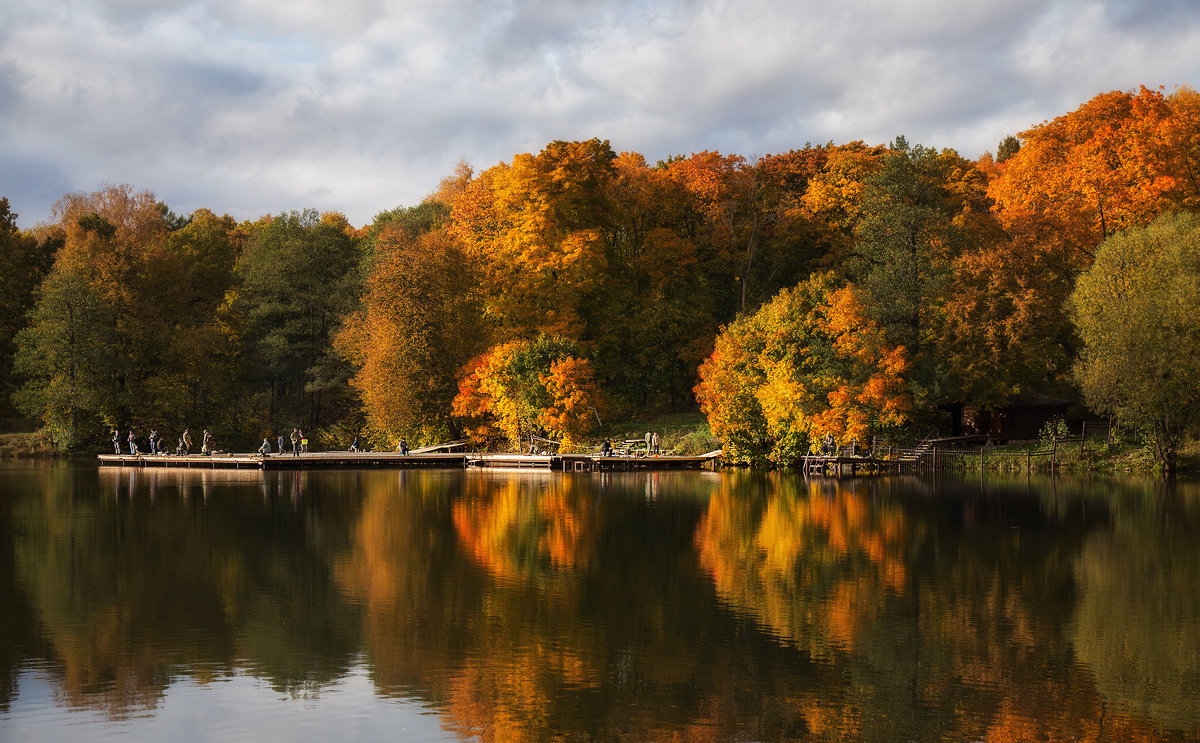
{"points": [[594, 462], [413, 460]]}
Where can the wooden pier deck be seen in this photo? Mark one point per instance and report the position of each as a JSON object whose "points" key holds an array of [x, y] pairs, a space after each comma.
{"points": [[412, 460], [829, 465], [594, 462]]}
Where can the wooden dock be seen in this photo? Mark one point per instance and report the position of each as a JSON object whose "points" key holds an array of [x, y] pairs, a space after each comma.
{"points": [[594, 462], [830, 465], [414, 460]]}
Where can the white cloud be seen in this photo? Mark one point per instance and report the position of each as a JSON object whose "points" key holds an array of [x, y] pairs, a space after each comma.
{"points": [[250, 107]]}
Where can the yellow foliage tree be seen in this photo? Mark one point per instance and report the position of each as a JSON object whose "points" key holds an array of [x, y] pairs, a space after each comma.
{"points": [[535, 227], [808, 363]]}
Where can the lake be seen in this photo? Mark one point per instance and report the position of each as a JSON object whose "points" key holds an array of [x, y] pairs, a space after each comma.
{"points": [[165, 605]]}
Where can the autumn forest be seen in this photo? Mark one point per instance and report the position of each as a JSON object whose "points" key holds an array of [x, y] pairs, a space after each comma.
{"points": [[852, 289]]}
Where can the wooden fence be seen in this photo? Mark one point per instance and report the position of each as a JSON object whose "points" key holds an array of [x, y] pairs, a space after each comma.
{"points": [[1034, 456]]}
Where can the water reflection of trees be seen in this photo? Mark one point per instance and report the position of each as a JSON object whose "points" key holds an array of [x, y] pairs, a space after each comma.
{"points": [[536, 608], [637, 607], [18, 640], [163, 573], [1137, 625], [940, 622]]}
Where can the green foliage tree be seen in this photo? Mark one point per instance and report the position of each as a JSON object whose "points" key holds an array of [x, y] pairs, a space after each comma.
{"points": [[913, 226], [652, 320], [65, 356], [1135, 310], [113, 238], [198, 378], [298, 276], [1009, 146], [24, 261]]}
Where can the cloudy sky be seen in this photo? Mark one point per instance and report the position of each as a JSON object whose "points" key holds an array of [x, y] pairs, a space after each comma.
{"points": [[250, 107]]}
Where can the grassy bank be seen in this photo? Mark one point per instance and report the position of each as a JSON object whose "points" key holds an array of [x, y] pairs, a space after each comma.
{"points": [[1096, 456], [682, 433], [36, 444]]}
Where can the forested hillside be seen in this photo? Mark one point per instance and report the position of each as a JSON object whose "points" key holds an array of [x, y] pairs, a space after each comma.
{"points": [[844, 288]]}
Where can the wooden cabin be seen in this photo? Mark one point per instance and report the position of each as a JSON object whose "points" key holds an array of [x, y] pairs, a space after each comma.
{"points": [[1020, 419]]}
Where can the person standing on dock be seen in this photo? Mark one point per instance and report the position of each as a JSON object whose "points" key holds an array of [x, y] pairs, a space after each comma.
{"points": [[187, 441], [279, 443], [154, 441], [206, 443], [133, 450], [295, 442], [654, 442], [303, 442], [404, 447], [116, 441]]}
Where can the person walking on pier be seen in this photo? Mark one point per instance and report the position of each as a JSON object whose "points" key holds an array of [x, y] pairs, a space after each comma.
{"points": [[187, 441], [295, 442]]}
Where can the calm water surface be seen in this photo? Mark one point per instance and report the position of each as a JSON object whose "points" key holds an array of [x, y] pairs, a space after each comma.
{"points": [[443, 606]]}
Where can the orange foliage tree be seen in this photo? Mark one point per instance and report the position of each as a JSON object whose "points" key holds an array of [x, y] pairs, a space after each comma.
{"points": [[1002, 332], [519, 389], [808, 363], [1113, 163], [535, 226], [421, 321], [833, 197]]}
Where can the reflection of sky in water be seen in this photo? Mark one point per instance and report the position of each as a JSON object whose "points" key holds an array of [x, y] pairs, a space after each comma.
{"points": [[228, 708]]}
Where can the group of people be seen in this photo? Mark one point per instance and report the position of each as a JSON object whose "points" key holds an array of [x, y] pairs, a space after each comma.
{"points": [[652, 445], [155, 441], [298, 439]]}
